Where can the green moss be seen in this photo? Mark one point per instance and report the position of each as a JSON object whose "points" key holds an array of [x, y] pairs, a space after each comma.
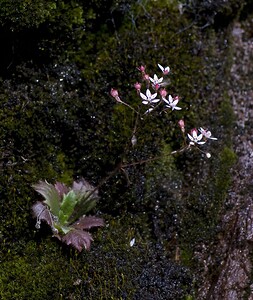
{"points": [[227, 115], [223, 176], [28, 277], [25, 14], [218, 13], [110, 271], [58, 121]]}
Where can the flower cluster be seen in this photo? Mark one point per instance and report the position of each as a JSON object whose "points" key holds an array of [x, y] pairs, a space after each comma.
{"points": [[197, 137], [154, 94], [159, 93], [64, 208], [201, 138]]}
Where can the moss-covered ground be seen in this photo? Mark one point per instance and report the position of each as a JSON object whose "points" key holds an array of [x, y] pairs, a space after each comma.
{"points": [[58, 122]]}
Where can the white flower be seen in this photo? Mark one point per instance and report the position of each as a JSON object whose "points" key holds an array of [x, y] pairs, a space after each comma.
{"points": [[172, 103], [165, 70], [156, 80], [149, 98], [206, 133], [195, 138]]}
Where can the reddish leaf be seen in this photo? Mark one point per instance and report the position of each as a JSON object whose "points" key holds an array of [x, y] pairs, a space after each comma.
{"points": [[49, 192], [79, 239], [88, 222], [83, 187], [61, 188], [41, 212]]}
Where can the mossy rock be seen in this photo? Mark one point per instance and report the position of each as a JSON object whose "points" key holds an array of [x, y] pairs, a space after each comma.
{"points": [[59, 122]]}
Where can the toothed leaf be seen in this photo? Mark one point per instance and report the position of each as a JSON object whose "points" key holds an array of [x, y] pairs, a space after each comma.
{"points": [[78, 239], [63, 219], [41, 212], [82, 186], [86, 198], [67, 207], [49, 192], [61, 188]]}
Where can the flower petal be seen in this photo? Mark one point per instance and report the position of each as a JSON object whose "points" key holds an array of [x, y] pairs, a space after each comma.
{"points": [[201, 143], [170, 99], [153, 96], [166, 101], [155, 100], [145, 102], [151, 79], [148, 94], [199, 137], [143, 96], [161, 67], [190, 137]]}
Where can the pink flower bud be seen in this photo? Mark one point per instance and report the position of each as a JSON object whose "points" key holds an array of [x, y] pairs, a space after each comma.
{"points": [[137, 86], [163, 93], [181, 125], [114, 93], [141, 68]]}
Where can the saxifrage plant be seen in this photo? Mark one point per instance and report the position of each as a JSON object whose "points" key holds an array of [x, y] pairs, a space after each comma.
{"points": [[64, 210]]}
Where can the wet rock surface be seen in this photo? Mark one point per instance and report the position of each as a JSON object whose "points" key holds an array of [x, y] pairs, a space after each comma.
{"points": [[57, 119], [227, 263]]}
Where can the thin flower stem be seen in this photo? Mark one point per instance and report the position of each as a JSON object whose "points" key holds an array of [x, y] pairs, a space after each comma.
{"points": [[200, 150], [183, 135], [121, 167], [155, 158], [128, 106], [136, 123], [181, 150], [154, 108], [126, 175]]}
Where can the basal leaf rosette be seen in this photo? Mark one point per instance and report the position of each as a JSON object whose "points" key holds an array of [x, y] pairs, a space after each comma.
{"points": [[64, 209]]}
